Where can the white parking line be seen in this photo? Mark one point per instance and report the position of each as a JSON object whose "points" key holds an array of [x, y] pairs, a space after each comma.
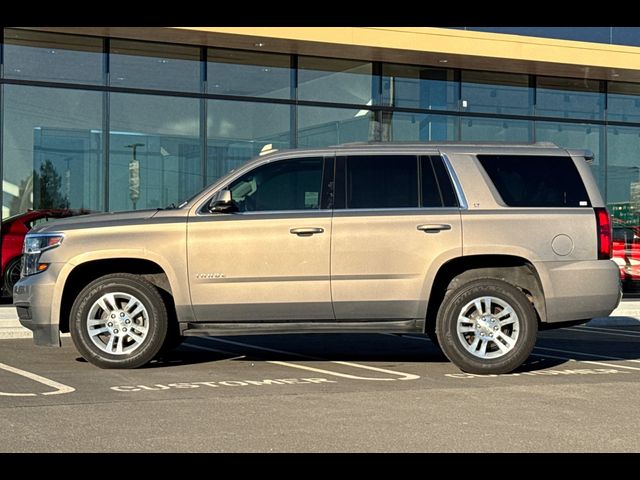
{"points": [[209, 349], [59, 387], [612, 365], [401, 375], [570, 352], [606, 357], [424, 339], [605, 331]]}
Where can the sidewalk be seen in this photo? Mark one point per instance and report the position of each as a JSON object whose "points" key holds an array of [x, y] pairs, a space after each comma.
{"points": [[627, 314]]}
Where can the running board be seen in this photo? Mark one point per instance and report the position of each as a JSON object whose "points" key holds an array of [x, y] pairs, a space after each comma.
{"points": [[267, 328]]}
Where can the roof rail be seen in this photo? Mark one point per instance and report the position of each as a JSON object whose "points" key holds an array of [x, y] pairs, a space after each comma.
{"points": [[445, 143]]}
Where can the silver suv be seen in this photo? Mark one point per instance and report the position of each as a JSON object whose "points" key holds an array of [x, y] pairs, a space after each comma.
{"points": [[477, 246]]}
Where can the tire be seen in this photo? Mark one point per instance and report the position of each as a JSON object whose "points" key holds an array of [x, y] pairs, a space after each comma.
{"points": [[488, 343], [11, 275], [130, 336], [172, 341], [430, 331]]}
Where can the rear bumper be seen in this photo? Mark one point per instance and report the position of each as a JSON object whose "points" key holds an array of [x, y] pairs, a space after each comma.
{"points": [[32, 297], [580, 290]]}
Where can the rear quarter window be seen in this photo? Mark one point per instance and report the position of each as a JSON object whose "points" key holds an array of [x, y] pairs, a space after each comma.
{"points": [[536, 180]]}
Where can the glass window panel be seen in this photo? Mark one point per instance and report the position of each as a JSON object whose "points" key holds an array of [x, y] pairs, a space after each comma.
{"points": [[496, 130], [569, 98], [154, 65], [536, 180], [238, 131], [623, 103], [52, 149], [623, 179], [322, 127], [293, 184], [418, 127], [576, 135], [385, 181], [431, 197], [493, 92], [154, 151], [52, 57], [419, 87], [449, 198], [333, 80], [623, 201], [626, 36], [236, 72]]}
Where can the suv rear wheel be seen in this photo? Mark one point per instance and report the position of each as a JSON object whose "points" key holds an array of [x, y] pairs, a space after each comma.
{"points": [[119, 321], [486, 326]]}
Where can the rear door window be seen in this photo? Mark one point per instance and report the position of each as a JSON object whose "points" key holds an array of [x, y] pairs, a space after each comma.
{"points": [[384, 181], [536, 180], [437, 189]]}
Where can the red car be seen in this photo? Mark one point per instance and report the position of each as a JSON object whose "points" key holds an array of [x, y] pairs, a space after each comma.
{"points": [[626, 254], [14, 230]]}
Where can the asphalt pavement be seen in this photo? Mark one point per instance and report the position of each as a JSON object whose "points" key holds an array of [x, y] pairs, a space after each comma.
{"points": [[325, 393]]}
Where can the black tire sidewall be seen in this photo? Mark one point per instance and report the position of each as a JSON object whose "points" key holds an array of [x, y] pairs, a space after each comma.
{"points": [[5, 276], [145, 293], [446, 326]]}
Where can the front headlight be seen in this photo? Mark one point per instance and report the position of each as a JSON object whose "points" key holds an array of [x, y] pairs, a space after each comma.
{"points": [[33, 247]]}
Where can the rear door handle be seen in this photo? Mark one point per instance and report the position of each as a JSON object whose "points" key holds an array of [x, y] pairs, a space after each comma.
{"points": [[434, 227], [306, 231]]}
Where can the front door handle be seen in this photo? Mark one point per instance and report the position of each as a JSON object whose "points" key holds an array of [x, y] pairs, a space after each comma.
{"points": [[306, 231], [434, 227]]}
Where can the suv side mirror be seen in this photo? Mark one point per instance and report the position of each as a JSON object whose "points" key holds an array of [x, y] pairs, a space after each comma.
{"points": [[223, 203]]}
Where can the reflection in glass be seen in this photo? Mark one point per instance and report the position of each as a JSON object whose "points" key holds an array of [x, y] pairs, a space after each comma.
{"points": [[623, 202], [159, 137], [418, 127], [576, 135], [495, 130], [569, 98], [493, 92], [623, 102], [154, 65], [52, 149], [334, 80], [322, 127], [238, 131], [419, 87], [623, 156], [52, 57], [237, 72]]}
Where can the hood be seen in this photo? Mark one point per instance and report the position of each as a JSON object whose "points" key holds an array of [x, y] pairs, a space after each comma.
{"points": [[108, 219]]}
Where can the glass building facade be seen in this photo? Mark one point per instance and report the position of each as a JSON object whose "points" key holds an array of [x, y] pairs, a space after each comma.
{"points": [[79, 112]]}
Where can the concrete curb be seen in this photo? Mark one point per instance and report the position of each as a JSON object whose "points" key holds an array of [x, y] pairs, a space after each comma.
{"points": [[626, 315]]}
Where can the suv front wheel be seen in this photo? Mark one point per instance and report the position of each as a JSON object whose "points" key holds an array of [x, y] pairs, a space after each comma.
{"points": [[486, 326], [119, 321]]}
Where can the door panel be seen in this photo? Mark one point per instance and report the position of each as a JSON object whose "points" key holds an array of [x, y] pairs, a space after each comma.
{"points": [[379, 259], [249, 266], [383, 242]]}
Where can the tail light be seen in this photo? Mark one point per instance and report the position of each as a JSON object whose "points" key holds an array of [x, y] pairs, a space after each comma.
{"points": [[605, 234]]}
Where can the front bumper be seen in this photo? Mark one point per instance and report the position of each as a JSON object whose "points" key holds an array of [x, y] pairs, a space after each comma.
{"points": [[33, 296]]}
